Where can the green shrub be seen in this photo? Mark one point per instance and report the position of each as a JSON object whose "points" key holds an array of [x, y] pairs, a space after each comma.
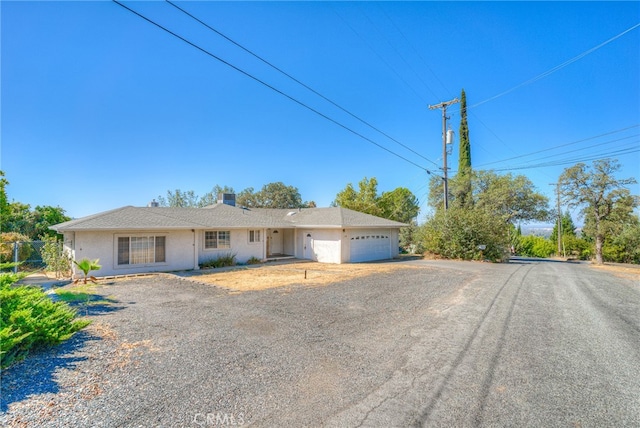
{"points": [[220, 261], [254, 261], [30, 320], [577, 247], [624, 247], [459, 233], [535, 246], [54, 257]]}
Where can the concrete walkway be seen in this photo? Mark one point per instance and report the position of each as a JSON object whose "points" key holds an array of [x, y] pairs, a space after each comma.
{"points": [[42, 280]]}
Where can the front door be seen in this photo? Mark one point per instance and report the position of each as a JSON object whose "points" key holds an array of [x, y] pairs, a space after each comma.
{"points": [[275, 242], [308, 246]]}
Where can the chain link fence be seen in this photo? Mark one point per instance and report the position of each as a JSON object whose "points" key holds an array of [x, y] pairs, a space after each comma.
{"points": [[27, 254]]}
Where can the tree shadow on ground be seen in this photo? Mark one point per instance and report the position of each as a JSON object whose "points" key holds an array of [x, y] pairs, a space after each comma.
{"points": [[96, 304], [36, 374], [525, 260]]}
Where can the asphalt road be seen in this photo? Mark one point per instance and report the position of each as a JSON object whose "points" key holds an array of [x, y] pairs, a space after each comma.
{"points": [[526, 343]]}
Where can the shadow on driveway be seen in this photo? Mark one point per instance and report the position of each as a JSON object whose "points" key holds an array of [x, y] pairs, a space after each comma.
{"points": [[36, 374]]}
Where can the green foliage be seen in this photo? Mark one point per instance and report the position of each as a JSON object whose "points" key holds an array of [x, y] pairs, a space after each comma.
{"points": [[606, 202], [54, 257], [399, 204], [86, 266], [254, 261], [29, 320], [576, 247], [364, 200], [4, 201], [224, 260], [73, 296], [463, 189], [625, 246], [512, 198], [410, 241], [277, 195], [458, 233], [568, 227], [272, 195], [7, 278], [19, 218], [7, 240], [42, 217], [535, 246]]}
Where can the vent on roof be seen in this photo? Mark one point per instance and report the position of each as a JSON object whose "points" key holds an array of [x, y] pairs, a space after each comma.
{"points": [[292, 213], [153, 203]]}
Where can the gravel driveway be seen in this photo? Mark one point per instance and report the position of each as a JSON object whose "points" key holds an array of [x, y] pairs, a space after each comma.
{"points": [[442, 344]]}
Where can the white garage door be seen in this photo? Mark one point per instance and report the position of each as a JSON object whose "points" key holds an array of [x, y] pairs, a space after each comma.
{"points": [[370, 245]]}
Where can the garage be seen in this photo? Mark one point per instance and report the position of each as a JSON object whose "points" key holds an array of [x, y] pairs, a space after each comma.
{"points": [[370, 245]]}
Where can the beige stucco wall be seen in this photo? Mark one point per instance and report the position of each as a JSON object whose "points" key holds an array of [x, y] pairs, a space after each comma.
{"points": [[240, 246], [103, 246]]}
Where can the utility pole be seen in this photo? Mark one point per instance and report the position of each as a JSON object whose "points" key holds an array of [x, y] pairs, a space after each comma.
{"points": [[559, 217], [444, 106]]}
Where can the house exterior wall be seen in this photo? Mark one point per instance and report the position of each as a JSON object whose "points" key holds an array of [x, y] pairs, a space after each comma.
{"points": [[289, 242], [104, 246], [240, 246], [395, 242], [185, 248]]}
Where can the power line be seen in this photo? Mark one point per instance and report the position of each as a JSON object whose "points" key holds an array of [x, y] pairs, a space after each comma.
{"points": [[250, 52], [585, 148], [558, 67], [380, 57], [416, 51], [270, 86], [621, 152], [397, 52], [565, 145]]}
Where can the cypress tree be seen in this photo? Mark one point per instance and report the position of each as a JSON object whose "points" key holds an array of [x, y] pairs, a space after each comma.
{"points": [[464, 158]]}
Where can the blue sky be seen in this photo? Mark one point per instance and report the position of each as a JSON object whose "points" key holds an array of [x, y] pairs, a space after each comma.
{"points": [[101, 109]]}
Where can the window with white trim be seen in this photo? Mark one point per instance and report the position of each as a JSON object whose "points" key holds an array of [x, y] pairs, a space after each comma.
{"points": [[216, 239], [133, 250], [254, 236]]}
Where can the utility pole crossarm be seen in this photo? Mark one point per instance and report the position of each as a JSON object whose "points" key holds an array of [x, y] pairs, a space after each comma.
{"points": [[443, 106]]}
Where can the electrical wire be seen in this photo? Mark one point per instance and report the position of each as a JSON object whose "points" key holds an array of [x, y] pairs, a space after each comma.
{"points": [[621, 152], [380, 57], [201, 49], [565, 145], [558, 67], [250, 52], [397, 52], [417, 53]]}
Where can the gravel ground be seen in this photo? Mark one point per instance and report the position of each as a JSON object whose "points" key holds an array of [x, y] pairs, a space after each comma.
{"points": [[444, 344]]}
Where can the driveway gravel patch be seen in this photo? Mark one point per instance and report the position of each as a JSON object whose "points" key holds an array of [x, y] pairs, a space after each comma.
{"points": [[437, 344]]}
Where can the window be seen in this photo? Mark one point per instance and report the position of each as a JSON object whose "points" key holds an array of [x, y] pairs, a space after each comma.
{"points": [[141, 249], [254, 236], [215, 239]]}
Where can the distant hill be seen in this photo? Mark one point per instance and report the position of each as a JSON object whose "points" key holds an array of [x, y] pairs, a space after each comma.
{"points": [[543, 230]]}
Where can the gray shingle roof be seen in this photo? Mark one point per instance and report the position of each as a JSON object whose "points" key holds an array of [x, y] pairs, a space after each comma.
{"points": [[221, 215]]}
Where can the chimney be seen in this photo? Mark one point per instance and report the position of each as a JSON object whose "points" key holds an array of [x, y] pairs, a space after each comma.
{"points": [[227, 199], [153, 204]]}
